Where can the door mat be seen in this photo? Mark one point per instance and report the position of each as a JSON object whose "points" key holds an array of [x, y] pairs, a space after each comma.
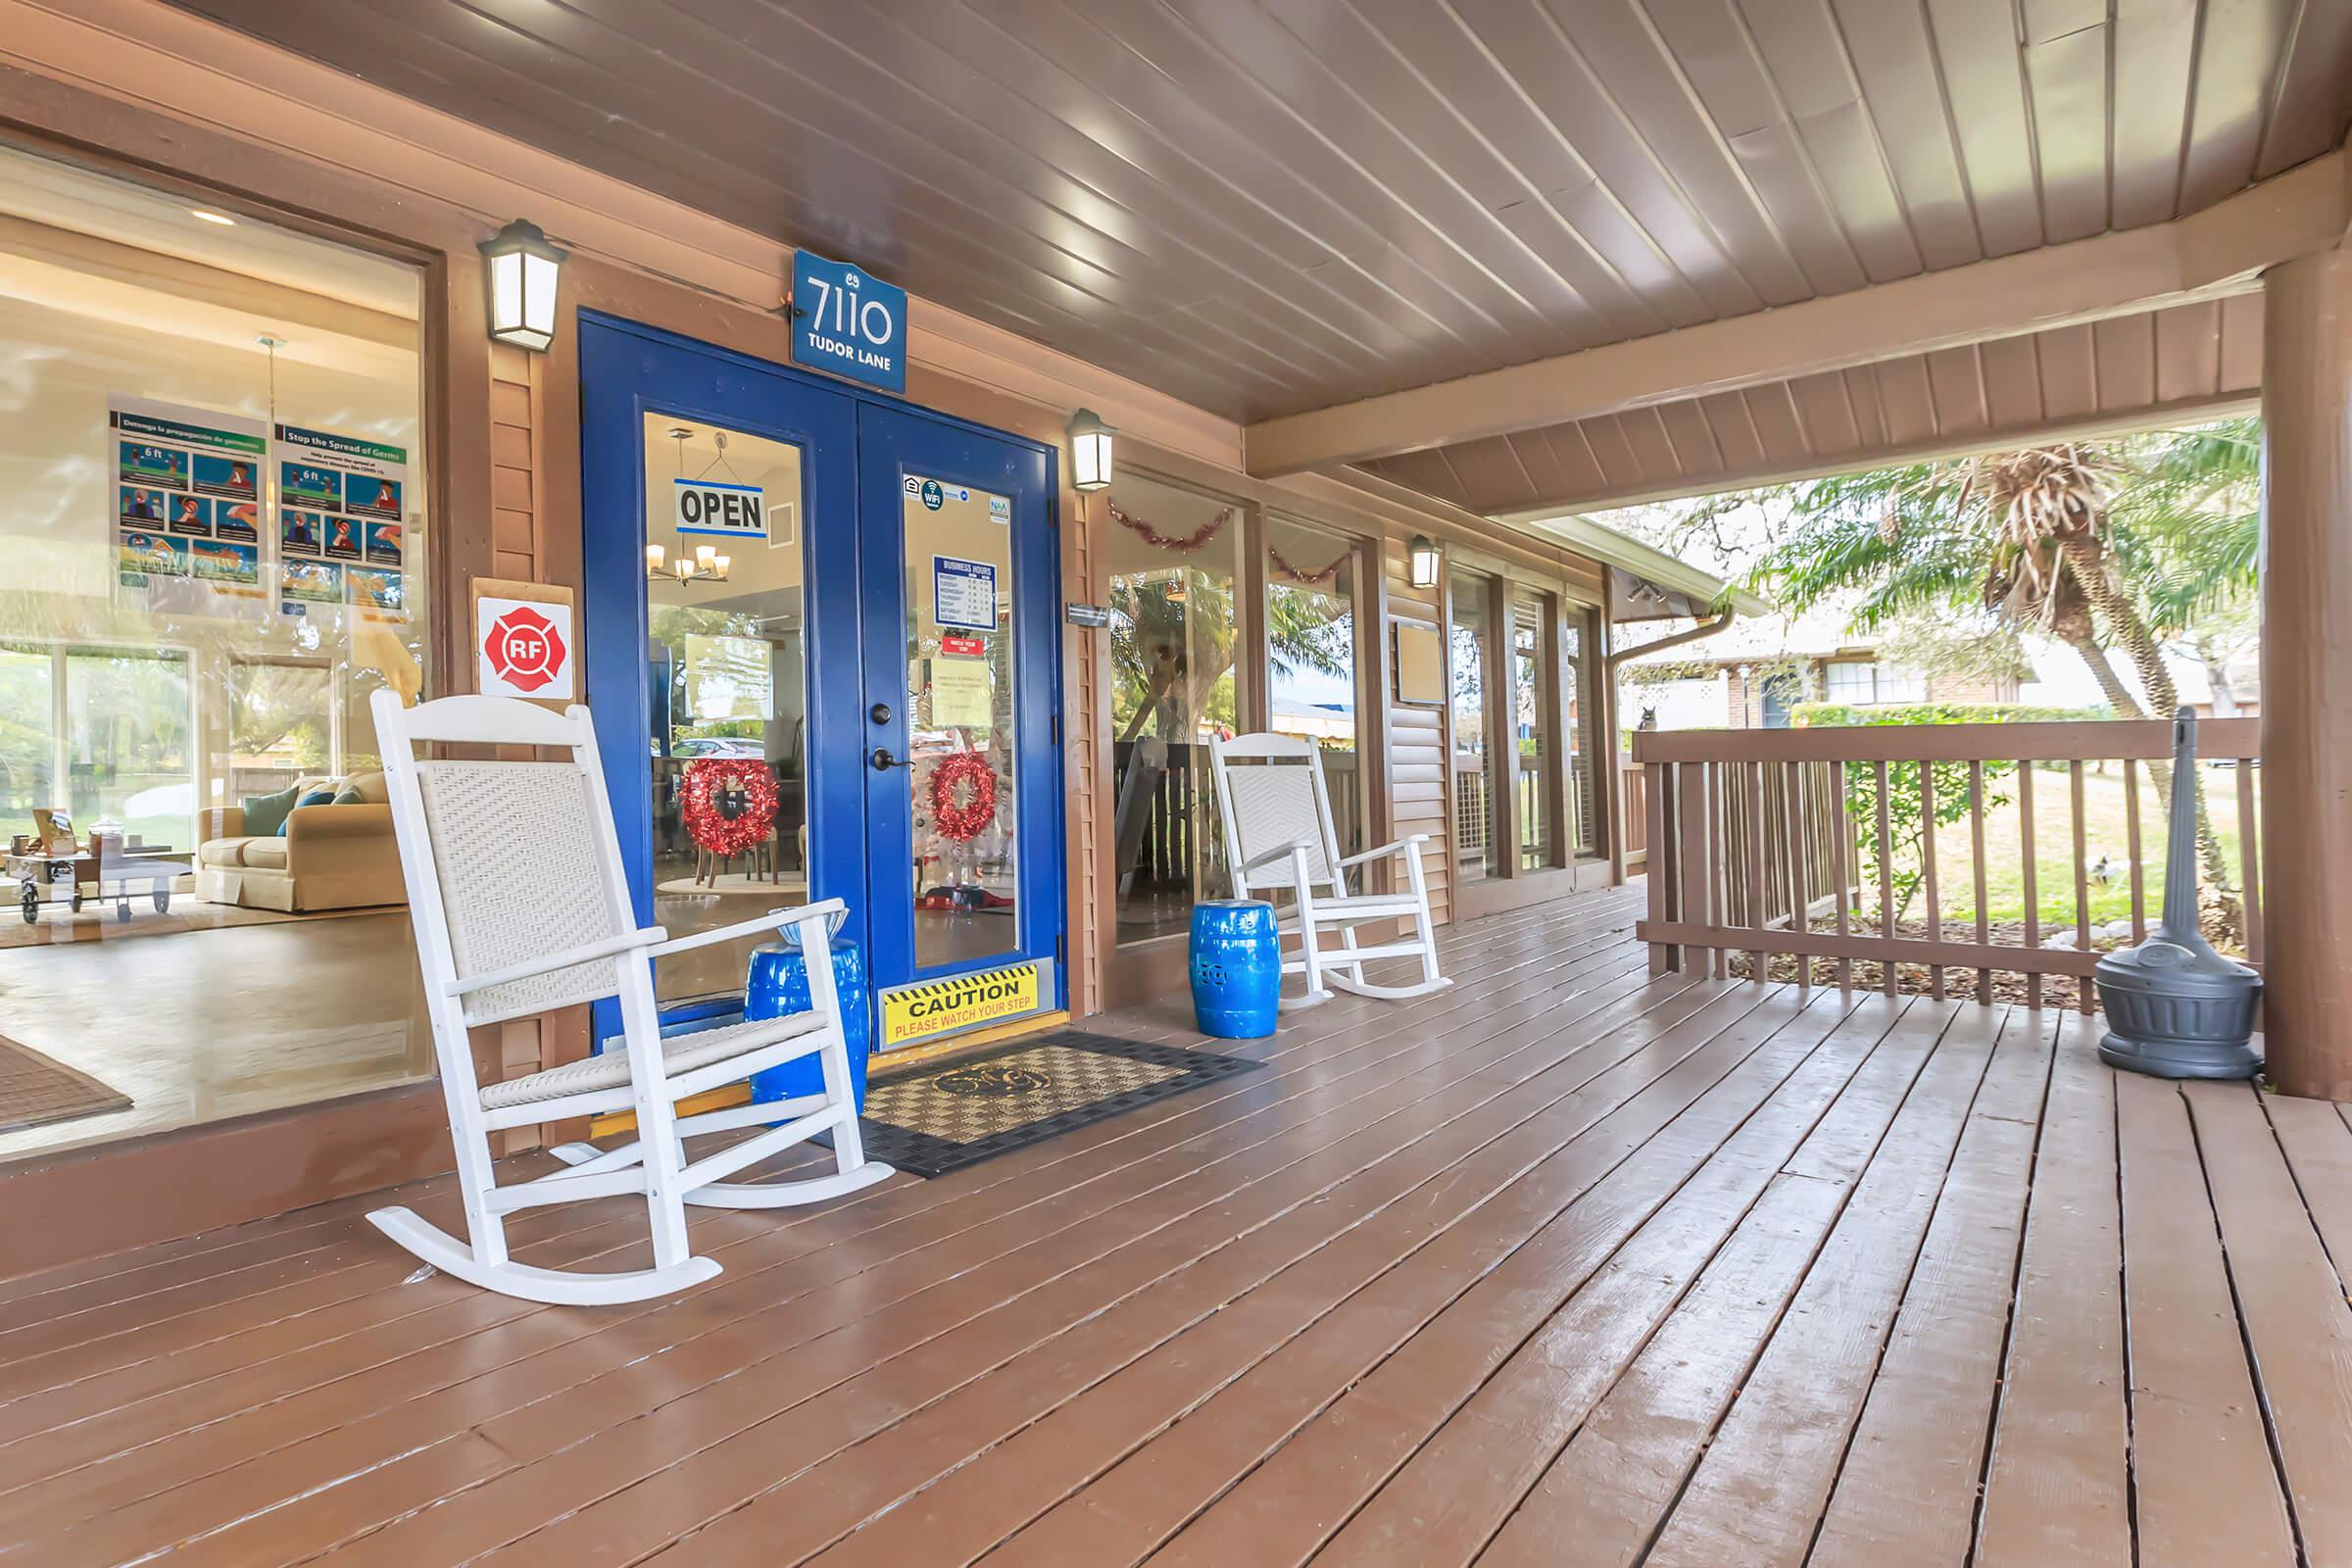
{"points": [[944, 1115], [37, 1090]]}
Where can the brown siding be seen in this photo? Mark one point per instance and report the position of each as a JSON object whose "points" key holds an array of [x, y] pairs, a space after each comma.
{"points": [[524, 530]]}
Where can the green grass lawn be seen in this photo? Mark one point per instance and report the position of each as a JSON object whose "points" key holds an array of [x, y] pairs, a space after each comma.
{"points": [[2104, 834]]}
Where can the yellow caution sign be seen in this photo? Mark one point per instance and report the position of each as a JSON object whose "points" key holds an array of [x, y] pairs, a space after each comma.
{"points": [[937, 1007]]}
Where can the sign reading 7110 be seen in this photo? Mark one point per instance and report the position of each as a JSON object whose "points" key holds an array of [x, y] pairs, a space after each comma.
{"points": [[848, 322]]}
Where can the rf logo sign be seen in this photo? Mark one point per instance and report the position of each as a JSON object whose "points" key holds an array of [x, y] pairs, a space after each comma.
{"points": [[526, 647]]}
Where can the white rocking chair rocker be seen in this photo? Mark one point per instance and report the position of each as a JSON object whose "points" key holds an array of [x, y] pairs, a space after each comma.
{"points": [[520, 906], [1279, 837]]}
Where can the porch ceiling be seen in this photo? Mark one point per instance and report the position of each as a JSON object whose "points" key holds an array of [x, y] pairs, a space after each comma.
{"points": [[1266, 209], [2203, 358]]}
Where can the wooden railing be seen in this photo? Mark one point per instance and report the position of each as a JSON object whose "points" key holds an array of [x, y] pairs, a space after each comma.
{"points": [[1635, 779], [1800, 889]]}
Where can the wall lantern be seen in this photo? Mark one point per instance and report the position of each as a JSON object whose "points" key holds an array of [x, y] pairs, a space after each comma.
{"points": [[1090, 450], [519, 267], [1421, 562]]}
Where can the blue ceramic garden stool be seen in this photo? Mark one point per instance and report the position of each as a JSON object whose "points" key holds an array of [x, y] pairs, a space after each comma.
{"points": [[777, 985], [1237, 968]]}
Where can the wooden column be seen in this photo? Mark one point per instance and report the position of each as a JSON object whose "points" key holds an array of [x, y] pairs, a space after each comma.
{"points": [[2307, 674]]}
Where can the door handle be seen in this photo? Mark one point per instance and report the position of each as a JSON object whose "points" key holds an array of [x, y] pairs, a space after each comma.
{"points": [[883, 761]]}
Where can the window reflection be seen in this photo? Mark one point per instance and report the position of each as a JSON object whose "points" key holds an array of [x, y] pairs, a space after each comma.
{"points": [[185, 664], [1473, 780], [1311, 660], [1175, 558], [728, 698]]}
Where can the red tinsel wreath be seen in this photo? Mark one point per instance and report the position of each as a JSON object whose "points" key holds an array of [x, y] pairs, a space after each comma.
{"points": [[961, 823], [707, 779]]}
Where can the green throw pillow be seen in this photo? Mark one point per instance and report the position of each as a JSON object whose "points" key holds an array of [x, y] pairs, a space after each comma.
{"points": [[349, 796], [266, 815]]}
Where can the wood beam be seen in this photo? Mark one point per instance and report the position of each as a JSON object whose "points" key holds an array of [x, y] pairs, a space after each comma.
{"points": [[2090, 427], [2206, 254]]}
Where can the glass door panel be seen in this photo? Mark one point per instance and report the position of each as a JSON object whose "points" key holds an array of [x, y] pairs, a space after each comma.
{"points": [[963, 765], [962, 671], [1531, 729], [1473, 777], [727, 686]]}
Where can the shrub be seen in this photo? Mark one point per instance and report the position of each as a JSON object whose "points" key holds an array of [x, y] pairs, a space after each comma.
{"points": [[1906, 829], [1826, 715]]}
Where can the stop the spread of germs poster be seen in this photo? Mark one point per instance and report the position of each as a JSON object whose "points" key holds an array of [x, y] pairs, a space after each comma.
{"points": [[342, 508]]}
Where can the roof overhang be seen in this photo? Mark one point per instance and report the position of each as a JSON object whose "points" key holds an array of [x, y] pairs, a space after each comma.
{"points": [[2209, 254], [1646, 562]]}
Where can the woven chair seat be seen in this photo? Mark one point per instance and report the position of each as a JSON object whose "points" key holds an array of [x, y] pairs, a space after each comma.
{"points": [[610, 1068]]}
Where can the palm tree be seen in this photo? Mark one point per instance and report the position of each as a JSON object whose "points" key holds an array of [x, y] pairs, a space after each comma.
{"points": [[2035, 536]]}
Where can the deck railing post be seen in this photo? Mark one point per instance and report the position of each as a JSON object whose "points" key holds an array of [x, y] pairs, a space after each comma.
{"points": [[1659, 868]]}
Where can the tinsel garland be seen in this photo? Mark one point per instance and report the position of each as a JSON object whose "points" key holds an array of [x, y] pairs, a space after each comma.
{"points": [[707, 779]]}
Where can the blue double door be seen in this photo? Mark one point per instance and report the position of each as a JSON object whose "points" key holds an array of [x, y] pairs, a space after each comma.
{"points": [[822, 657]]}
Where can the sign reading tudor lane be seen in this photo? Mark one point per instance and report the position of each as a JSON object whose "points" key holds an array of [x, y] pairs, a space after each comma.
{"points": [[849, 323], [526, 648]]}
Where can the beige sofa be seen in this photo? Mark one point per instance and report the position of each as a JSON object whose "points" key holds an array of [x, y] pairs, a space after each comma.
{"points": [[330, 857]]}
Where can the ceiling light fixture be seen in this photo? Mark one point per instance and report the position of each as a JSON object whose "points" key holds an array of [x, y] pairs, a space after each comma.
{"points": [[205, 215]]}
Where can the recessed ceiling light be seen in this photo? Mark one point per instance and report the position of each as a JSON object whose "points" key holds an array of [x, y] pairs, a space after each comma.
{"points": [[208, 215]]}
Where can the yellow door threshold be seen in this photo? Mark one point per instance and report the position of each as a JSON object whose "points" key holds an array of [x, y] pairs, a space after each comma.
{"points": [[737, 1094]]}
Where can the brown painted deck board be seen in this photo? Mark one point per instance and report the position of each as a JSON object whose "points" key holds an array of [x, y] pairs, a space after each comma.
{"points": [[1571, 1266], [1754, 1498], [530, 1411], [1262, 1388], [2292, 1304], [1907, 1492], [2206, 1489], [2057, 1490], [1284, 1511]]}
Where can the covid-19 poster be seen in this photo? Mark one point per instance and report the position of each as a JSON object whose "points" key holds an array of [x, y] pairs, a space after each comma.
{"points": [[199, 529], [187, 506], [341, 523]]}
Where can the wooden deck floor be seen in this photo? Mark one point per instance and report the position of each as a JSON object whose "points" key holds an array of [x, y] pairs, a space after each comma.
{"points": [[1570, 1267]]}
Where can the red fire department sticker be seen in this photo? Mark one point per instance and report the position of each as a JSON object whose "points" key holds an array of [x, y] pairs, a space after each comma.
{"points": [[526, 647]]}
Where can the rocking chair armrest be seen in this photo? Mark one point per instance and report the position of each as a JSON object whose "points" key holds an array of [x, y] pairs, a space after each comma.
{"points": [[586, 953], [1273, 857], [1408, 842], [772, 920]]}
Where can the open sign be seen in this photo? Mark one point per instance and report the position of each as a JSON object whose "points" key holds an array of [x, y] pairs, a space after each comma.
{"points": [[733, 511]]}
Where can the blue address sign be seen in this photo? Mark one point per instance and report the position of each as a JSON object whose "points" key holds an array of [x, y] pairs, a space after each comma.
{"points": [[848, 322]]}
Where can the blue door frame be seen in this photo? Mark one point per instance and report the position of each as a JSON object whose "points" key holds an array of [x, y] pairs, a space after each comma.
{"points": [[852, 447]]}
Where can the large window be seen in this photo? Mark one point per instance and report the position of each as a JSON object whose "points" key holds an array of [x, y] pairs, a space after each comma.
{"points": [[1311, 661], [1175, 565], [1471, 657], [212, 516]]}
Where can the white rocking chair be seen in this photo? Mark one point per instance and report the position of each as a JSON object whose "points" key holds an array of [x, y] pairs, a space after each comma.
{"points": [[1279, 837], [515, 886]]}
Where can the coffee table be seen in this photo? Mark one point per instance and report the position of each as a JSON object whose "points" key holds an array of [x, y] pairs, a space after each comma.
{"points": [[46, 878]]}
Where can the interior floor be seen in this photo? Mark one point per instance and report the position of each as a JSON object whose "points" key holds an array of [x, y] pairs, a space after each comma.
{"points": [[217, 1022]]}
